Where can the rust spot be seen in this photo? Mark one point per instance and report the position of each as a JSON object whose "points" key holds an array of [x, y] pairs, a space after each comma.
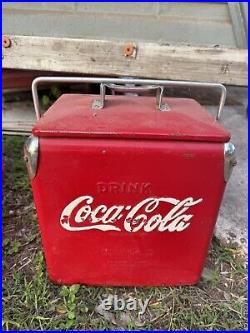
{"points": [[6, 42], [129, 50]]}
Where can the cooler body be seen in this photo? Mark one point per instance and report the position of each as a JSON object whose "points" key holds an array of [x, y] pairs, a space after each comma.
{"points": [[118, 212], [127, 193]]}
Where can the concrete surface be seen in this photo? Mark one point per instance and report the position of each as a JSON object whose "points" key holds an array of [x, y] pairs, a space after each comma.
{"points": [[231, 227]]}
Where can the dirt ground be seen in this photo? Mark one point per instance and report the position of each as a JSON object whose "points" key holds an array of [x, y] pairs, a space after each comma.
{"points": [[32, 302]]}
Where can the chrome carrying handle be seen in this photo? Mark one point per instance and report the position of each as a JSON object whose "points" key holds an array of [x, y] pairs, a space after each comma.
{"points": [[100, 103], [112, 82]]}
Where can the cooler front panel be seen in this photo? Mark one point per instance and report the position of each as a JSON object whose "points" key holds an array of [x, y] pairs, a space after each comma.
{"points": [[127, 212]]}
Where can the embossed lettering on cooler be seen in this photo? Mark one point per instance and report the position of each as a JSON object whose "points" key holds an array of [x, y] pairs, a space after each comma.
{"points": [[127, 187], [174, 220]]}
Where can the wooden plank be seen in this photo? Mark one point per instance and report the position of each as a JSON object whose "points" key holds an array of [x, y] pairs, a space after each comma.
{"points": [[106, 57], [18, 117], [238, 23]]}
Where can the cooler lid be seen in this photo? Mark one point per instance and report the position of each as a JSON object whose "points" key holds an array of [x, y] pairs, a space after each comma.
{"points": [[129, 117]]}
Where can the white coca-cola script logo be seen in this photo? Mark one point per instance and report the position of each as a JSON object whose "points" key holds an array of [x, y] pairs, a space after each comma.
{"points": [[81, 215]]}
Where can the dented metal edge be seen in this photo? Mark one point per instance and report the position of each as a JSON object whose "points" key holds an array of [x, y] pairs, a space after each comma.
{"points": [[229, 159], [31, 154]]}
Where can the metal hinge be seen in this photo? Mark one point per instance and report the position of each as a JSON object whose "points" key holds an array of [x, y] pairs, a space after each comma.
{"points": [[31, 151], [229, 159]]}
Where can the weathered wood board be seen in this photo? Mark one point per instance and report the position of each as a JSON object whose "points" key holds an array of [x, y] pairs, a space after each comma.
{"points": [[18, 117], [107, 58]]}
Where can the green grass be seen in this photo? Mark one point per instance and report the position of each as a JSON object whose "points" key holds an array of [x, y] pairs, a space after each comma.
{"points": [[32, 302]]}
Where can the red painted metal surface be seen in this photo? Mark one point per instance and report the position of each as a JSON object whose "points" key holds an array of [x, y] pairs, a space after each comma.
{"points": [[130, 117], [128, 195], [19, 79]]}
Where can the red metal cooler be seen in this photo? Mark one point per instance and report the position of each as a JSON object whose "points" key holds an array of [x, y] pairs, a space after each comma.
{"points": [[127, 188]]}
